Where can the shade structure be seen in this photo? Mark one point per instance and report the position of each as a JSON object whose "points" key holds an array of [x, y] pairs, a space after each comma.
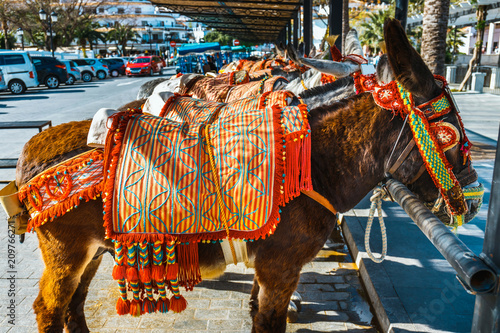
{"points": [[187, 49], [249, 20]]}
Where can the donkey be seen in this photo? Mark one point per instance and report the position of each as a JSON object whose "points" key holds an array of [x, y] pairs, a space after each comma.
{"points": [[351, 147]]}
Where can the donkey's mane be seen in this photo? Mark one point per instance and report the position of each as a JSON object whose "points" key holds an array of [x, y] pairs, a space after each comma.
{"points": [[338, 84]]}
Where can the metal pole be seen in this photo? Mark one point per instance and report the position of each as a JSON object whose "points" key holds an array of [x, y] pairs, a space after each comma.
{"points": [[402, 12], [295, 30], [289, 32], [486, 311], [308, 36], [470, 269], [335, 21], [51, 38]]}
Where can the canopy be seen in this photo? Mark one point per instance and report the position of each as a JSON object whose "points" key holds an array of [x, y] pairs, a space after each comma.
{"points": [[238, 49], [186, 49]]}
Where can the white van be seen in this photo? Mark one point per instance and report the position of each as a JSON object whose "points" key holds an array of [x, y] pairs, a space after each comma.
{"points": [[18, 70]]}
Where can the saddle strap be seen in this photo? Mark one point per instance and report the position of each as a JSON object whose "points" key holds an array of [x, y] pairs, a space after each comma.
{"points": [[321, 200], [219, 192]]}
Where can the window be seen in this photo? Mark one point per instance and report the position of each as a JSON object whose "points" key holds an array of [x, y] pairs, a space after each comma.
{"points": [[144, 23], [13, 59], [155, 36], [121, 11], [162, 24], [37, 62], [100, 10], [138, 10]]}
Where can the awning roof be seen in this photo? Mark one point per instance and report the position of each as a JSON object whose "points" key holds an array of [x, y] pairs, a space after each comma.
{"points": [[198, 48], [251, 20]]}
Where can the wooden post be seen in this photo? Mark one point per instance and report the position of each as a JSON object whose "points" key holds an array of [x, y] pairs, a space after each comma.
{"points": [[308, 36], [335, 21]]}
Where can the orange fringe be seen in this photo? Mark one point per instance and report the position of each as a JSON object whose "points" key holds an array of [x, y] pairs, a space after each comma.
{"points": [[178, 304], [189, 268]]}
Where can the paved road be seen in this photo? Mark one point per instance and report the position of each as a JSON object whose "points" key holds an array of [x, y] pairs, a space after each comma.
{"points": [[334, 300]]}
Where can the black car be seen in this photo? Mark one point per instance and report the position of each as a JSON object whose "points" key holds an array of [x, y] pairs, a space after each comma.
{"points": [[116, 66], [50, 71]]}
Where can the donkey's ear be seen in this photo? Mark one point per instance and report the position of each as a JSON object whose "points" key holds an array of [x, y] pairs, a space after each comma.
{"points": [[407, 65]]}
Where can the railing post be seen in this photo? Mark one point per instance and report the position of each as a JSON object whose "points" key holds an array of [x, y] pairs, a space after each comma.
{"points": [[487, 309], [308, 36], [335, 21]]}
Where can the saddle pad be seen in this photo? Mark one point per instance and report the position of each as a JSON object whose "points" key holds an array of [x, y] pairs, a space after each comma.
{"points": [[162, 182], [216, 88], [253, 88]]}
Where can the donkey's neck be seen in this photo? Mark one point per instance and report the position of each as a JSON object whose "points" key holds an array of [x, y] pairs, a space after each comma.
{"points": [[350, 143], [329, 93]]}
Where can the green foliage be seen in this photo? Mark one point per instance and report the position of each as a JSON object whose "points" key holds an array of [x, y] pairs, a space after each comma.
{"points": [[121, 34], [10, 37], [454, 39], [415, 37], [216, 36], [372, 29]]}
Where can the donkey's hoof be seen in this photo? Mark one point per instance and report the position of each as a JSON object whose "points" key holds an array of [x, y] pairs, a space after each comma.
{"points": [[292, 314], [297, 299]]}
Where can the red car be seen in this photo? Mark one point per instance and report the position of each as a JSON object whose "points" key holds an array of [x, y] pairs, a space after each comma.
{"points": [[145, 65]]}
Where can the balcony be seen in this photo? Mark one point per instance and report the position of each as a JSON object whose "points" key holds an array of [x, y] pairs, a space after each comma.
{"points": [[153, 41]]}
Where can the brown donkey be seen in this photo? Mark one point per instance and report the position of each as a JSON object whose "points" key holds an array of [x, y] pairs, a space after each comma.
{"points": [[351, 148]]}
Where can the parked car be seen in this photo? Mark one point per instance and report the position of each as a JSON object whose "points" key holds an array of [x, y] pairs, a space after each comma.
{"points": [[18, 71], [50, 71], [101, 70], [116, 66], [87, 71], [73, 71], [145, 65], [3, 84]]}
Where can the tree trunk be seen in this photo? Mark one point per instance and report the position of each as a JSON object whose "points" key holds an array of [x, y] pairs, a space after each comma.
{"points": [[478, 48], [5, 29], [345, 22], [435, 24]]}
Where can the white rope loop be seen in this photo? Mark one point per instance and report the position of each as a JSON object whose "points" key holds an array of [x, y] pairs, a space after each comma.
{"points": [[376, 199]]}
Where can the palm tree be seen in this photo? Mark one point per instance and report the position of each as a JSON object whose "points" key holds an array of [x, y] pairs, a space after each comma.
{"points": [[121, 34], [87, 33], [434, 27], [372, 29], [454, 39]]}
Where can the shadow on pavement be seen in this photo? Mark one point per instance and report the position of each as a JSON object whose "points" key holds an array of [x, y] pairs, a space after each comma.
{"points": [[26, 97]]}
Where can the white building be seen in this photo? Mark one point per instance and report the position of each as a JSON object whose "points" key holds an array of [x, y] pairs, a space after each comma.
{"points": [[156, 27]]}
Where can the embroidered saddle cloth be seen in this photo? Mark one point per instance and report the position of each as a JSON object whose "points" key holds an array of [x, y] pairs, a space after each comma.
{"points": [[215, 88], [254, 88], [202, 171]]}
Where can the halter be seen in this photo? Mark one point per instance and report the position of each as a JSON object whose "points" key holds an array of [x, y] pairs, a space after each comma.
{"points": [[432, 140]]}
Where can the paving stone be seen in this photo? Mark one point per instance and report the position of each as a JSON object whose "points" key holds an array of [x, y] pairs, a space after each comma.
{"points": [[224, 325], [328, 326], [157, 320], [325, 296], [225, 304], [199, 303], [191, 325], [211, 314]]}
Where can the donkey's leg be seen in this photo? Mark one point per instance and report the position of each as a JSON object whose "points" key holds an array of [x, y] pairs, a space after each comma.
{"points": [[75, 317], [254, 300], [68, 245], [276, 286]]}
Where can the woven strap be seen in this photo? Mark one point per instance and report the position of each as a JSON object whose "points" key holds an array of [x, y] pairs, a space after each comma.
{"points": [[219, 191], [321, 200]]}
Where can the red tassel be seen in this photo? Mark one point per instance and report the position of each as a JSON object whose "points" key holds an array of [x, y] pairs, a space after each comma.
{"points": [[178, 304], [145, 274], [119, 272], [148, 306], [336, 55], [189, 268], [132, 274], [135, 308], [122, 306], [162, 305], [172, 271], [158, 272]]}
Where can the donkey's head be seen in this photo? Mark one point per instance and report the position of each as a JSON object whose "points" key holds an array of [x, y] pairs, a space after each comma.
{"points": [[437, 129]]}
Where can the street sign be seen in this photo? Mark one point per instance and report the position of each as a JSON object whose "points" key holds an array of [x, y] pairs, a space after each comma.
{"points": [[236, 42], [173, 44]]}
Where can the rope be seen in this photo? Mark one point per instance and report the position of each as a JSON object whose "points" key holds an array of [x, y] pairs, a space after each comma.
{"points": [[376, 199], [219, 191]]}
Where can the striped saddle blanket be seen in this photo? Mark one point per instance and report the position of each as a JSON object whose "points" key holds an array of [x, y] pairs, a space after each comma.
{"points": [[201, 171]]}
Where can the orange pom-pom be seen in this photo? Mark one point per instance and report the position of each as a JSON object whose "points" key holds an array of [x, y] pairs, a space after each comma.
{"points": [[119, 272], [145, 274], [158, 272], [162, 305], [172, 271], [132, 274], [135, 308], [178, 304], [148, 306], [122, 306]]}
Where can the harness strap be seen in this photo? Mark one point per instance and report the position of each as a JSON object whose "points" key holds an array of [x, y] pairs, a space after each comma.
{"points": [[219, 191], [402, 157], [303, 84], [320, 199]]}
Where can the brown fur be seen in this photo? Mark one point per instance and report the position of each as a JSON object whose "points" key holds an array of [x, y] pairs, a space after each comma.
{"points": [[351, 143]]}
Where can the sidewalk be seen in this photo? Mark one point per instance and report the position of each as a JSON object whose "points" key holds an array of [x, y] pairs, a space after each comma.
{"points": [[415, 289]]}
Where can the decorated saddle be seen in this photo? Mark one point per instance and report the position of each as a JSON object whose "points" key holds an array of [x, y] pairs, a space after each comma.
{"points": [[202, 171], [215, 88], [254, 88]]}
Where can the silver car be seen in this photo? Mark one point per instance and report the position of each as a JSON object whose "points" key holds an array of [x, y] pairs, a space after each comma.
{"points": [[73, 71]]}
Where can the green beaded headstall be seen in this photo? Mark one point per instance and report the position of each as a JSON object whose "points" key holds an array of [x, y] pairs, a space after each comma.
{"points": [[394, 97]]}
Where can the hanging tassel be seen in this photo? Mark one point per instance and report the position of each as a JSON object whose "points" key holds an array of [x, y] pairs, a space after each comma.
{"points": [[144, 265], [162, 304], [123, 304], [119, 269], [177, 303], [132, 274], [136, 304], [148, 306], [158, 270], [172, 267], [189, 268]]}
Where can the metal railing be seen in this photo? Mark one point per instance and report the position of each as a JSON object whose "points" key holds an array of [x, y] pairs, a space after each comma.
{"points": [[478, 274]]}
